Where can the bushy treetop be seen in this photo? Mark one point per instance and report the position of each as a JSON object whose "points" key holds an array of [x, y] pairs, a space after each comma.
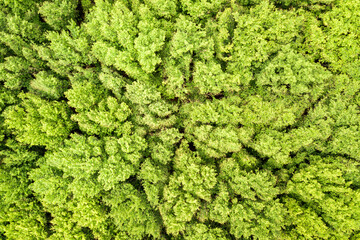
{"points": [[179, 119]]}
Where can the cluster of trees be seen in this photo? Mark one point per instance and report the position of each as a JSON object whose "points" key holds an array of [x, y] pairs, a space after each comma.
{"points": [[179, 119]]}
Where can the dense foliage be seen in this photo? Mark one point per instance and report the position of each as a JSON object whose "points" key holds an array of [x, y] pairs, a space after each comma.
{"points": [[179, 119]]}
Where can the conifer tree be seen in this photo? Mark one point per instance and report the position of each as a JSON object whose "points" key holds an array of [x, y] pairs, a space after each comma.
{"points": [[179, 119]]}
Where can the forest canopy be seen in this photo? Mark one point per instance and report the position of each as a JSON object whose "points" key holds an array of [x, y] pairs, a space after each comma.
{"points": [[179, 119]]}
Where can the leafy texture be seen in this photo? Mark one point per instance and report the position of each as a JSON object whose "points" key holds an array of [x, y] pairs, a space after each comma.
{"points": [[179, 119]]}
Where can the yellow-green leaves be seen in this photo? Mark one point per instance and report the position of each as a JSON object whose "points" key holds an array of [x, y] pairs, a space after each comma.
{"points": [[48, 85], [58, 13], [131, 213], [324, 189], [179, 119], [39, 122], [147, 44]]}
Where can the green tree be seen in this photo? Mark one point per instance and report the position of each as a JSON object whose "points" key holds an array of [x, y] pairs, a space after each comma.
{"points": [[35, 121], [58, 13], [48, 85], [21, 214], [255, 212], [323, 199], [179, 119]]}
